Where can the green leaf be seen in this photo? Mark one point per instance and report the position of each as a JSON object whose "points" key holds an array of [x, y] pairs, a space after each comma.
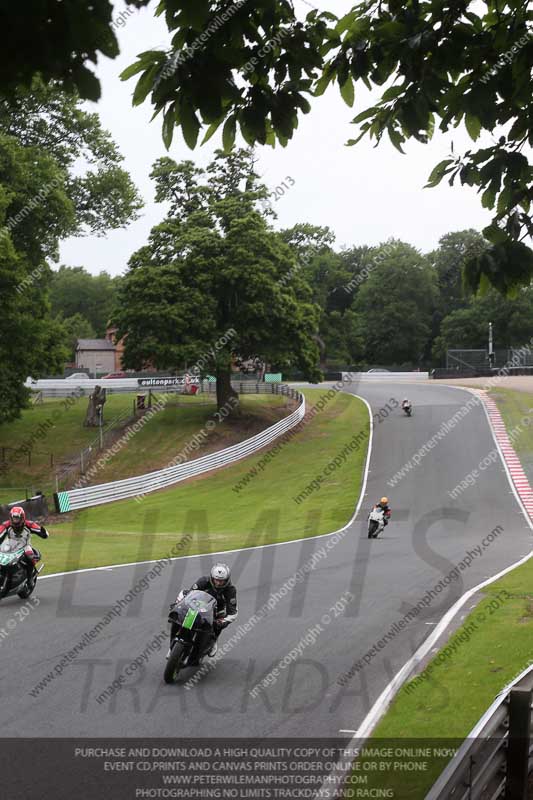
{"points": [[145, 84], [194, 13], [505, 200], [484, 284], [271, 139], [494, 234], [132, 70], [396, 138], [347, 91], [525, 203], [247, 133], [212, 129], [351, 142], [513, 226], [473, 126], [190, 126], [228, 133], [345, 22], [392, 93], [370, 112], [488, 198], [322, 84], [438, 173], [168, 126], [88, 84]]}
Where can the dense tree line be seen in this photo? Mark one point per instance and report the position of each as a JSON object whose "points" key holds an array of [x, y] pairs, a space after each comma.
{"points": [[217, 261], [215, 264], [377, 306], [393, 305]]}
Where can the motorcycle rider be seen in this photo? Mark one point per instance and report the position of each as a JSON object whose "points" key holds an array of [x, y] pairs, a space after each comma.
{"points": [[218, 584], [384, 506], [18, 530], [406, 404]]}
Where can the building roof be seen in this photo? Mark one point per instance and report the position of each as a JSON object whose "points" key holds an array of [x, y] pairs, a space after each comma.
{"points": [[95, 344]]}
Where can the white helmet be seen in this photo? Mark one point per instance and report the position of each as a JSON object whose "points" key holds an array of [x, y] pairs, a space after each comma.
{"points": [[220, 576]]}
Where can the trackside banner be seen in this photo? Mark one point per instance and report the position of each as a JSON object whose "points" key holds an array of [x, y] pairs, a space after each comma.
{"points": [[275, 768], [171, 380]]}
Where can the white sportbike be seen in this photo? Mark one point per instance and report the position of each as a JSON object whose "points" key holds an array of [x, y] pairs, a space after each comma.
{"points": [[376, 522]]}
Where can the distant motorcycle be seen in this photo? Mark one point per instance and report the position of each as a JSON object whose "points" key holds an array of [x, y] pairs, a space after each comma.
{"points": [[195, 614], [14, 574], [408, 408], [376, 522]]}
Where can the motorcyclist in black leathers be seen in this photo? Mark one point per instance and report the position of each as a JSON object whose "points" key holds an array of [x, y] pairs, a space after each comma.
{"points": [[407, 405], [218, 584]]}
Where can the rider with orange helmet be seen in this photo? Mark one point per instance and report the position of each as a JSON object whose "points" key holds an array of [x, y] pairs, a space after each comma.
{"points": [[384, 505]]}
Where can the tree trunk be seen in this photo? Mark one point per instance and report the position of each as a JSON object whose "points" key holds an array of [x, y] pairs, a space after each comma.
{"points": [[226, 396], [95, 408]]}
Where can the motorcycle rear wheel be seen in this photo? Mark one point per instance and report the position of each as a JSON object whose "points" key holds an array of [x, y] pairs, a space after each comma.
{"points": [[174, 662]]}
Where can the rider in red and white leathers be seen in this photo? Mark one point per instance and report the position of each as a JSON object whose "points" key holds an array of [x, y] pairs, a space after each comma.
{"points": [[17, 531]]}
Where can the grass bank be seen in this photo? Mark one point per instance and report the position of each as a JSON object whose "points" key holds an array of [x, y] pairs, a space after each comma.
{"points": [[219, 516], [55, 429]]}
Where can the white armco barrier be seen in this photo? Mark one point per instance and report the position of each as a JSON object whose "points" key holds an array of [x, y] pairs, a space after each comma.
{"points": [[394, 377], [75, 499]]}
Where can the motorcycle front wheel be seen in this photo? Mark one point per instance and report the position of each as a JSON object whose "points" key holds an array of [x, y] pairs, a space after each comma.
{"points": [[174, 662], [372, 528], [28, 589]]}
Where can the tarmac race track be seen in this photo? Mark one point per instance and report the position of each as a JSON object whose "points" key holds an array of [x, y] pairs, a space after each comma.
{"points": [[336, 614]]}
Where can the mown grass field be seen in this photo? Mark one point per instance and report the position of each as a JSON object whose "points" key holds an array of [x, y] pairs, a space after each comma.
{"points": [[221, 518]]}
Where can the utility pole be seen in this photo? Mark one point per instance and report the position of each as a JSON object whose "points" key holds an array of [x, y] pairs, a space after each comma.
{"points": [[491, 351]]}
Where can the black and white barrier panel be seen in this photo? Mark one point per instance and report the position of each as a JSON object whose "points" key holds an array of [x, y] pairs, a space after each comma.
{"points": [[74, 499]]}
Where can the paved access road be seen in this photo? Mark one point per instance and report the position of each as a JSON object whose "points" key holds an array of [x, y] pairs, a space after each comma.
{"points": [[429, 535]]}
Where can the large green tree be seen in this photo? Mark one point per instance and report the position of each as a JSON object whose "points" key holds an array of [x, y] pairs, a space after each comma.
{"points": [[47, 118], [46, 196], [395, 305], [75, 327], [329, 274], [33, 342], [215, 283], [255, 67], [449, 259], [75, 292]]}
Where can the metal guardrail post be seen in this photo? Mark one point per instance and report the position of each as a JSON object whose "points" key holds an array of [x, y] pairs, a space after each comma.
{"points": [[519, 739]]}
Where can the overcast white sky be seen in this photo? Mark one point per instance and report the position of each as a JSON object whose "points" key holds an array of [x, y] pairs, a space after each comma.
{"points": [[364, 194]]}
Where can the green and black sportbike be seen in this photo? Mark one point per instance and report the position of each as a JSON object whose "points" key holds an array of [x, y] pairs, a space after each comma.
{"points": [[14, 572], [192, 617]]}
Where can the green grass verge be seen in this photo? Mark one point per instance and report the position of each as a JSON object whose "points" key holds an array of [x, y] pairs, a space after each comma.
{"points": [[220, 518], [516, 409], [53, 427], [490, 649]]}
